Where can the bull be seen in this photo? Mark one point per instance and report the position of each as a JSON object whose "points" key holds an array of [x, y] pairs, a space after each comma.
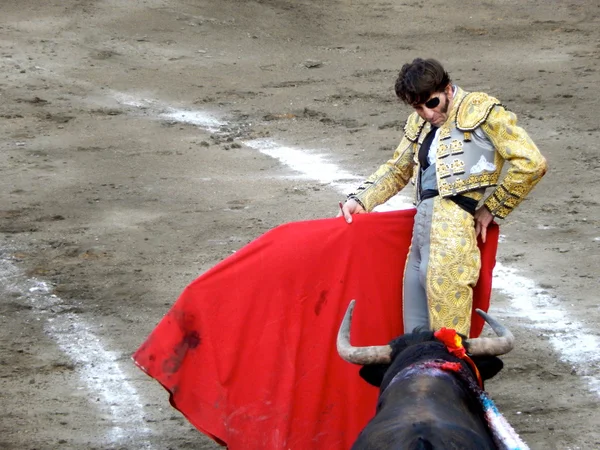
{"points": [[426, 398]]}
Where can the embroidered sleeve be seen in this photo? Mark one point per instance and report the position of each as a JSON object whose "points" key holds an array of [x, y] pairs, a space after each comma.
{"points": [[389, 179], [527, 165]]}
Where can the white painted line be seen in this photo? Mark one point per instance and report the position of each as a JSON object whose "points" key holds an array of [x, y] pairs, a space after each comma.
{"points": [[203, 120], [97, 367], [575, 344], [200, 118], [129, 100], [309, 164]]}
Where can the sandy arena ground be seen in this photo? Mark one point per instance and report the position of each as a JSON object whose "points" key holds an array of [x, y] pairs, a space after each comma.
{"points": [[118, 190]]}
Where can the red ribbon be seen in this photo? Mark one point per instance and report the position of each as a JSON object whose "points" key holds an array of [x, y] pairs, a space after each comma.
{"points": [[453, 342]]}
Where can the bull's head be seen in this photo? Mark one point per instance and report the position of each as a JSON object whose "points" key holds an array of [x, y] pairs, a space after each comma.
{"points": [[382, 354], [377, 359]]}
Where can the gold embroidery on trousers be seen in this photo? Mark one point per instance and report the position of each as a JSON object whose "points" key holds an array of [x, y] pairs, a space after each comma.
{"points": [[453, 269]]}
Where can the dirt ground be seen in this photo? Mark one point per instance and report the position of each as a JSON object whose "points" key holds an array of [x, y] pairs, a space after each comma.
{"points": [[110, 206]]}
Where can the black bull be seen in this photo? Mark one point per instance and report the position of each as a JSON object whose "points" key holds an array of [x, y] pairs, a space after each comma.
{"points": [[421, 406]]}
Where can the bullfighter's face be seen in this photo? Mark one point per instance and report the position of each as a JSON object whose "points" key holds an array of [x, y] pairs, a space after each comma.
{"points": [[436, 109]]}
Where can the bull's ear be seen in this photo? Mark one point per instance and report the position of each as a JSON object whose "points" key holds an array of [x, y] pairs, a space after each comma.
{"points": [[373, 373], [488, 366]]}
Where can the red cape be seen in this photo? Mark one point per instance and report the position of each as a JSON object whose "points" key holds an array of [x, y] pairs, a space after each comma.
{"points": [[248, 351]]}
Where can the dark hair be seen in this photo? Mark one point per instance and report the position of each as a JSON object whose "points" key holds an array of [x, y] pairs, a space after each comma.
{"points": [[418, 80]]}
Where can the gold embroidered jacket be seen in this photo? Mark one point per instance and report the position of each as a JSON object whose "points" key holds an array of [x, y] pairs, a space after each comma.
{"points": [[463, 165]]}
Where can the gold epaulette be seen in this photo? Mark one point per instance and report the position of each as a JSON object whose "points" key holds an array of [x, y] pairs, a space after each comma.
{"points": [[474, 110], [412, 128]]}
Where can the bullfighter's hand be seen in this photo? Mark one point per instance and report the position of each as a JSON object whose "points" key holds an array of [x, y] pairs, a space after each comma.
{"points": [[350, 207], [483, 217]]}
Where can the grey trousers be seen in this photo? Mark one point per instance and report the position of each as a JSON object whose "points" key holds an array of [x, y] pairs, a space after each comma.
{"points": [[415, 310]]}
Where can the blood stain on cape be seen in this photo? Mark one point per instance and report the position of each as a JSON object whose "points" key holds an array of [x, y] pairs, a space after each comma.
{"points": [[189, 342]]}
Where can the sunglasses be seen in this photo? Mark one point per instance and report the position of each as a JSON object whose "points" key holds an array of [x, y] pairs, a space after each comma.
{"points": [[432, 102]]}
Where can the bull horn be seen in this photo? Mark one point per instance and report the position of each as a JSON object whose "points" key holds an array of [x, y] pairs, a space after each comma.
{"points": [[359, 355], [491, 346]]}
